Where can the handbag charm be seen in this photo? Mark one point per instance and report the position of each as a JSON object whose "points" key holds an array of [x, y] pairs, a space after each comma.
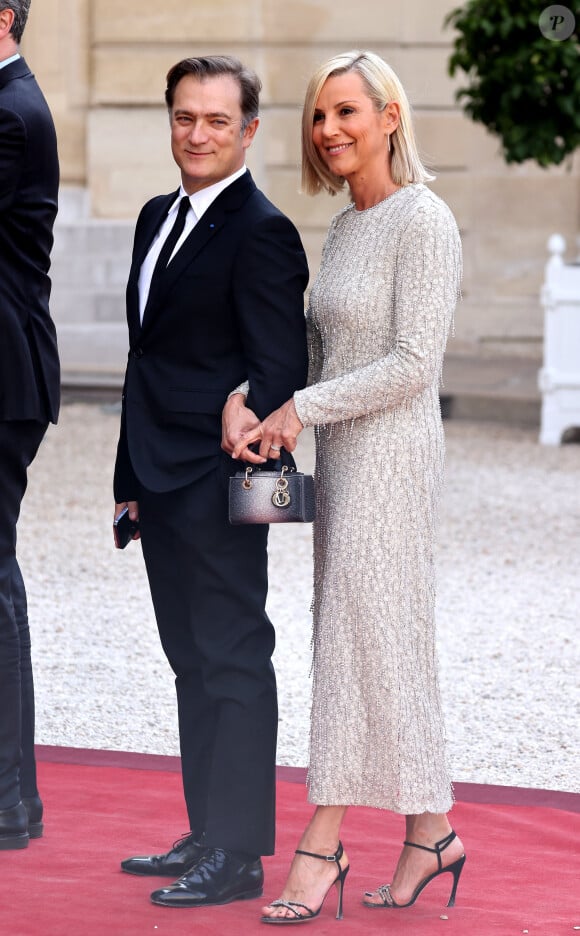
{"points": [[281, 496]]}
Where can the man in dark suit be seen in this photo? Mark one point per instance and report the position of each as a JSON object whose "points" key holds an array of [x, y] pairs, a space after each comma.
{"points": [[29, 395], [214, 298]]}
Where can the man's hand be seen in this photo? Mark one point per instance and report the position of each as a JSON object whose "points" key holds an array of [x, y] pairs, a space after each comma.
{"points": [[237, 421], [133, 513], [279, 430]]}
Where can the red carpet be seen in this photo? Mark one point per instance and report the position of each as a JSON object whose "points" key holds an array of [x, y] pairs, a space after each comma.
{"points": [[521, 875]]}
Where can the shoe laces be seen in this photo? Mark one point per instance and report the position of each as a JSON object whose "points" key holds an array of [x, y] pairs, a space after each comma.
{"points": [[183, 841]]}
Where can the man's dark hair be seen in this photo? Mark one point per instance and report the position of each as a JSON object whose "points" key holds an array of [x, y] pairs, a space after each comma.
{"points": [[20, 9], [211, 66]]}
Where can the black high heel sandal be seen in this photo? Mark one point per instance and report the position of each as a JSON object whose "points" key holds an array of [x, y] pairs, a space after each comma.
{"points": [[384, 891], [310, 914]]}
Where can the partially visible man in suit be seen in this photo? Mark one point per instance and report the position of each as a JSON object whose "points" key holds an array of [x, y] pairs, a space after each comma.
{"points": [[29, 395], [214, 298]]}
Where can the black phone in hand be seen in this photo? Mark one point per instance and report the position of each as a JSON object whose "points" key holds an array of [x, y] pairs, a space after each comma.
{"points": [[124, 528]]}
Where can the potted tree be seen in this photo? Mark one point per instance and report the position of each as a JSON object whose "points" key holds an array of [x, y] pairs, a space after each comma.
{"points": [[522, 65], [523, 71]]}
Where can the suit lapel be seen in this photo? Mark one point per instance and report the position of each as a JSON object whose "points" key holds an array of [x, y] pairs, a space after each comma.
{"points": [[150, 228], [143, 239], [204, 231], [208, 225], [17, 69]]}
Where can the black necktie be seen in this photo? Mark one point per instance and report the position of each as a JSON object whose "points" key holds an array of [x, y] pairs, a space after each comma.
{"points": [[169, 245]]}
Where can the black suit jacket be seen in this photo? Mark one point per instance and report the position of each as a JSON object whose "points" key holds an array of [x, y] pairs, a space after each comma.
{"points": [[29, 177], [230, 309]]}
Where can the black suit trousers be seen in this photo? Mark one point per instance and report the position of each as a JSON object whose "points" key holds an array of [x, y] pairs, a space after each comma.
{"points": [[208, 583], [19, 441]]}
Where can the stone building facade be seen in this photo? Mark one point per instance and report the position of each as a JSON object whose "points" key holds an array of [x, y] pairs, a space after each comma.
{"points": [[102, 65]]}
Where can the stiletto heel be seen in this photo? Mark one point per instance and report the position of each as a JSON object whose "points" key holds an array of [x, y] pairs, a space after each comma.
{"points": [[455, 868], [310, 914]]}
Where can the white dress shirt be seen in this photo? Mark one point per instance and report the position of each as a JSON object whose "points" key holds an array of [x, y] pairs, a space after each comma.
{"points": [[8, 61], [200, 202]]}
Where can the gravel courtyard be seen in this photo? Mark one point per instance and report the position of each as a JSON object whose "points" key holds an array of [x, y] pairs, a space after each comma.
{"points": [[508, 606]]}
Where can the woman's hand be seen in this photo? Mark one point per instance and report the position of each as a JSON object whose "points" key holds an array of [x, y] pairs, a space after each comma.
{"points": [[280, 429]]}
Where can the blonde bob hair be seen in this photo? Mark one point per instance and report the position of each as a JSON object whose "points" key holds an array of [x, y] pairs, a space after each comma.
{"points": [[383, 87]]}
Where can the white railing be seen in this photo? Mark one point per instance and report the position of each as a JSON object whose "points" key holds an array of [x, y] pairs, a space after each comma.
{"points": [[559, 378]]}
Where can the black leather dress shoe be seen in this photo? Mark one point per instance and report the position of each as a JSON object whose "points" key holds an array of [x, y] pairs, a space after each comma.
{"points": [[218, 877], [34, 809], [179, 859], [13, 827]]}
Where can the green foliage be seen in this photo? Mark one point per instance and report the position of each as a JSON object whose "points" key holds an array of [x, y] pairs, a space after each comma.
{"points": [[523, 87]]}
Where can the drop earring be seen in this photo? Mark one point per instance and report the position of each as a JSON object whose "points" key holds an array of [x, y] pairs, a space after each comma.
{"points": [[388, 142]]}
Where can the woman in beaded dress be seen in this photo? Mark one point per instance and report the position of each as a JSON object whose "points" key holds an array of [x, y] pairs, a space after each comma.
{"points": [[379, 315]]}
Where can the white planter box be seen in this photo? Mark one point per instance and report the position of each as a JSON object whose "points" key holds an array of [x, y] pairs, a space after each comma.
{"points": [[559, 378]]}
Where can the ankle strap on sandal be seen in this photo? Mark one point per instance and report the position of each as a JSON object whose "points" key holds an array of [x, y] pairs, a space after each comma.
{"points": [[440, 846], [336, 857]]}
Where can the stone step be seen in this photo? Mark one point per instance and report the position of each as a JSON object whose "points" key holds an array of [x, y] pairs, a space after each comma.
{"points": [[499, 390]]}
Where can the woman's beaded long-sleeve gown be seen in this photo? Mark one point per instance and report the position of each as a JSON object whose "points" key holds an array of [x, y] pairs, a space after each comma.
{"points": [[379, 316]]}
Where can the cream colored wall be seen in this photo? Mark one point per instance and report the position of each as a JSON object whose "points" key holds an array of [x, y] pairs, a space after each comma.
{"points": [[58, 49], [102, 65]]}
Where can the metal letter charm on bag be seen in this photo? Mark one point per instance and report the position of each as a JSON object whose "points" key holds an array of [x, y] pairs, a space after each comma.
{"points": [[284, 496]]}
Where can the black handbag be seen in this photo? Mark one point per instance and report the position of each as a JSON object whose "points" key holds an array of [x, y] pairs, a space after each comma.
{"points": [[283, 496]]}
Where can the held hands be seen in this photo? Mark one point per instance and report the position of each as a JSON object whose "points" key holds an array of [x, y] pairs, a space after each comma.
{"points": [[280, 429], [237, 420]]}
